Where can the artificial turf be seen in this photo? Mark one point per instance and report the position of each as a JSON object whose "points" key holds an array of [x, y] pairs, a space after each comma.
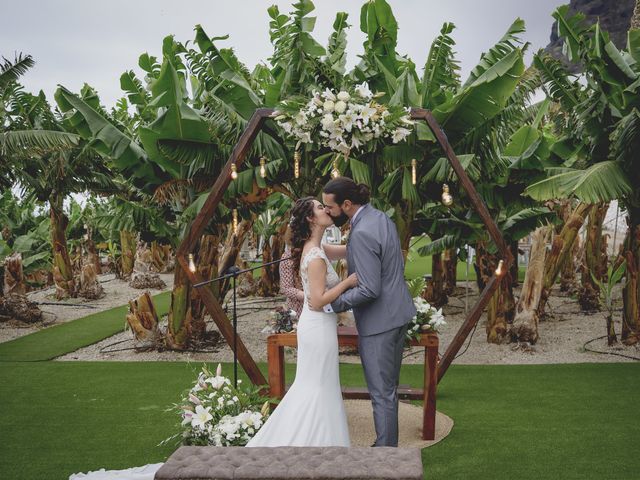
{"points": [[568, 421], [68, 337]]}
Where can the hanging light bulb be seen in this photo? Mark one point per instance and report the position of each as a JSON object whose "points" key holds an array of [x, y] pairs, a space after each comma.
{"points": [[499, 268], [414, 172], [192, 264], [335, 173], [447, 199], [235, 221], [234, 171], [296, 163], [263, 169]]}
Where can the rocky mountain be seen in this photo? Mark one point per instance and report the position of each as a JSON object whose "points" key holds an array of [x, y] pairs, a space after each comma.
{"points": [[614, 16]]}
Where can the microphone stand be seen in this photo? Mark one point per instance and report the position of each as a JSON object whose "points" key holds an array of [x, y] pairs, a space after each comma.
{"points": [[234, 272]]}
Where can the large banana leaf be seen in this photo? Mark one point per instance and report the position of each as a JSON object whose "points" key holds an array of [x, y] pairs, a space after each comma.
{"points": [[336, 58], [602, 182], [105, 138], [176, 121], [41, 141], [440, 70], [484, 98]]}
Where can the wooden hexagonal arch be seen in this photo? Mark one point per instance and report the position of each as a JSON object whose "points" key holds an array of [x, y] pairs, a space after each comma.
{"points": [[220, 186]]}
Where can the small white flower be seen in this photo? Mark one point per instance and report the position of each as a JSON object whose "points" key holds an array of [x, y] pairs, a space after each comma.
{"points": [[340, 106], [347, 120], [216, 382], [400, 134], [344, 96], [363, 91], [329, 95], [201, 416], [328, 106]]}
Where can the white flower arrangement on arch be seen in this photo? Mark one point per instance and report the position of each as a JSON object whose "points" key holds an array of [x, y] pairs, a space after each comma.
{"points": [[215, 413], [344, 121]]}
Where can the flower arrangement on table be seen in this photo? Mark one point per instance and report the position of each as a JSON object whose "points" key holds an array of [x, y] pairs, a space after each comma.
{"points": [[215, 413], [428, 319], [281, 320], [350, 119]]}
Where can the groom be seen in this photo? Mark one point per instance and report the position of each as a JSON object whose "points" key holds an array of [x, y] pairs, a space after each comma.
{"points": [[381, 303]]}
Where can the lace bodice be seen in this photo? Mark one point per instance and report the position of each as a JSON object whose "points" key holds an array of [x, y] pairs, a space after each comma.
{"points": [[332, 278]]}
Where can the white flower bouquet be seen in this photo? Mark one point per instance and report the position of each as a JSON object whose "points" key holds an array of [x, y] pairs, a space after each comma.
{"points": [[427, 319], [215, 413], [343, 121]]}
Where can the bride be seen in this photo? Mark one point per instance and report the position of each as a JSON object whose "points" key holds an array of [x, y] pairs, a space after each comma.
{"points": [[312, 412]]}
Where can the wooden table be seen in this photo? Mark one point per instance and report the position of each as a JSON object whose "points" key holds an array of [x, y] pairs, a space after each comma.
{"points": [[348, 336]]}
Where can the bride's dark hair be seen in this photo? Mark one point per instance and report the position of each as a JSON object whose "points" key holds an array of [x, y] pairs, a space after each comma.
{"points": [[300, 228]]}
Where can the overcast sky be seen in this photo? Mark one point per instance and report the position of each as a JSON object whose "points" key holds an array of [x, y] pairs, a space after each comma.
{"points": [[75, 41]]}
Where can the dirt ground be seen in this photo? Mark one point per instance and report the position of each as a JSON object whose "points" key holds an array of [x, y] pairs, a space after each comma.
{"points": [[562, 336]]}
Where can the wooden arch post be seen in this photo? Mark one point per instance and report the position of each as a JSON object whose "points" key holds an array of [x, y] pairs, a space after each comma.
{"points": [[222, 183]]}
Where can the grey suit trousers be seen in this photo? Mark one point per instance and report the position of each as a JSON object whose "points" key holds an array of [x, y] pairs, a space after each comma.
{"points": [[381, 357]]}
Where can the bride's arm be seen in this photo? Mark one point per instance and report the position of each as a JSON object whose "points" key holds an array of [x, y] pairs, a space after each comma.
{"points": [[318, 296], [335, 252]]}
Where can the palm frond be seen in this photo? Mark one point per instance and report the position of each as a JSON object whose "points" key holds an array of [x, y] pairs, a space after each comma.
{"points": [[36, 142], [602, 182], [441, 69], [439, 245], [11, 71]]}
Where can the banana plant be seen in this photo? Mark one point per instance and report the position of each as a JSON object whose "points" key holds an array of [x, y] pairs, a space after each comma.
{"points": [[601, 122], [51, 163]]}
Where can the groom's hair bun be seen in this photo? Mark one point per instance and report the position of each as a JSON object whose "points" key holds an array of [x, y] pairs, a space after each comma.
{"points": [[343, 188]]}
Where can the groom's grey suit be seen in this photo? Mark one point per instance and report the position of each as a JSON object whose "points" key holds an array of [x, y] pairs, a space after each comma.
{"points": [[382, 307]]}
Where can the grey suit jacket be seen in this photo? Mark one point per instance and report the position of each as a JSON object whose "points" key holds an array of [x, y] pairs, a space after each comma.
{"points": [[381, 301]]}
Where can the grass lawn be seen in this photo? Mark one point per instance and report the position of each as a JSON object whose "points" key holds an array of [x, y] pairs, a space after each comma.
{"points": [[525, 422], [67, 337]]}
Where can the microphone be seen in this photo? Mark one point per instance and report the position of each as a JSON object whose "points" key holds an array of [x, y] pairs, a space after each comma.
{"points": [[232, 270]]}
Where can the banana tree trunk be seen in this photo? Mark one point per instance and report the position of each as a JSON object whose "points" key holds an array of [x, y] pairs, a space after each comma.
{"points": [[272, 251], [144, 275], [177, 336], [266, 281], [161, 255], [450, 270], [232, 247], [143, 320], [631, 293], [128, 253], [62, 270], [561, 247], [402, 219], [434, 292], [90, 286], [525, 323], [568, 282], [514, 266], [207, 265], [92, 253], [501, 308], [14, 275], [594, 263], [186, 314]]}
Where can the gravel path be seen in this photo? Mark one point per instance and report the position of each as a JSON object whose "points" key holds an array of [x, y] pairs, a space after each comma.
{"points": [[562, 338]]}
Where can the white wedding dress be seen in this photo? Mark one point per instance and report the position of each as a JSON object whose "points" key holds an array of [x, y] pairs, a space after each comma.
{"points": [[312, 413]]}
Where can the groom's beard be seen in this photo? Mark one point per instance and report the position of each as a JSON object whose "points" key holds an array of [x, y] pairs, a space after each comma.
{"points": [[340, 220]]}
